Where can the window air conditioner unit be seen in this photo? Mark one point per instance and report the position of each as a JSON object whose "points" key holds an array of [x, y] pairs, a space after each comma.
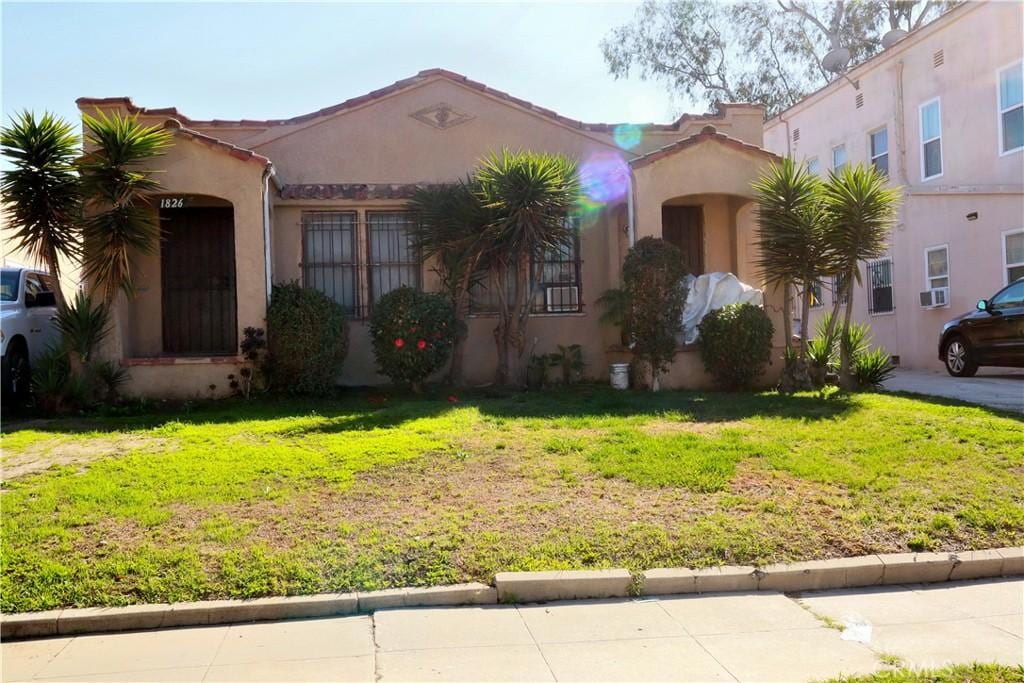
{"points": [[933, 298], [562, 299]]}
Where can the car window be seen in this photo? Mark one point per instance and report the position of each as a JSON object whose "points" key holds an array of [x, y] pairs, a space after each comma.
{"points": [[1011, 297], [47, 282], [9, 285], [32, 287]]}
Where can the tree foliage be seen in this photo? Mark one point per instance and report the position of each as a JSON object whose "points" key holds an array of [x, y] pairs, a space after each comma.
{"points": [[307, 340], [754, 50], [736, 344], [412, 334]]}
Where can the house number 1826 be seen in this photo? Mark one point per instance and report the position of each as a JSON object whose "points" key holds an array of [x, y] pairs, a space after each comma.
{"points": [[172, 202]]}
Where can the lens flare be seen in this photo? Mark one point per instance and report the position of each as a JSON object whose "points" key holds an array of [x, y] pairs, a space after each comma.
{"points": [[604, 177], [627, 135]]}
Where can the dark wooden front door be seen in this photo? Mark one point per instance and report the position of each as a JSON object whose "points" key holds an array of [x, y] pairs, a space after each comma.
{"points": [[197, 266], [683, 226]]}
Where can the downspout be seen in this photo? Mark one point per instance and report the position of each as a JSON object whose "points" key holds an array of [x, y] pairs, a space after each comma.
{"points": [[630, 207], [789, 136], [268, 173]]}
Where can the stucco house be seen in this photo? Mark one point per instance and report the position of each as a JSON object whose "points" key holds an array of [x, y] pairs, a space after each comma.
{"points": [[942, 112], [320, 198]]}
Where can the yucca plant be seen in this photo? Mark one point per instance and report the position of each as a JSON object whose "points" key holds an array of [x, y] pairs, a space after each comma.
{"points": [[872, 368], [116, 185], [530, 195], [41, 192], [82, 327], [860, 211]]}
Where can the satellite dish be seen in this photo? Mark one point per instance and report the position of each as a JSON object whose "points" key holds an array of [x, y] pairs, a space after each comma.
{"points": [[892, 37], [836, 60]]}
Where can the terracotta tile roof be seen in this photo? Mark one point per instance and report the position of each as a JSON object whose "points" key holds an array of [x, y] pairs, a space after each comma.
{"points": [[400, 85], [359, 191], [177, 129], [706, 133]]}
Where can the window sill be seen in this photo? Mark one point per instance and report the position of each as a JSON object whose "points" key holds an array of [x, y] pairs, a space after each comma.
{"points": [[881, 313], [575, 314], [180, 360]]}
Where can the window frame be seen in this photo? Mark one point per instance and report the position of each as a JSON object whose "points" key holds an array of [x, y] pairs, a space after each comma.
{"points": [[846, 156], [871, 149], [814, 160], [892, 285], [368, 264], [1000, 109], [357, 312], [928, 278], [835, 291], [1006, 265], [920, 134]]}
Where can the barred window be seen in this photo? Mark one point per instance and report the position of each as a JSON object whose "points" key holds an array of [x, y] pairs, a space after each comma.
{"points": [[816, 296], [838, 282], [394, 261], [329, 255], [483, 298], [880, 293]]}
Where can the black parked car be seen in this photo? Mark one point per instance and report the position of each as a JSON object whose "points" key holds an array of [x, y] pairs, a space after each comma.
{"points": [[991, 335]]}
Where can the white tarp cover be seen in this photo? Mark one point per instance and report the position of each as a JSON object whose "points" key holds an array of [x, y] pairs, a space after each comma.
{"points": [[712, 291]]}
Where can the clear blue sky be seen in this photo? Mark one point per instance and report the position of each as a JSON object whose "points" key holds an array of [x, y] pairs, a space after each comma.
{"points": [[235, 60]]}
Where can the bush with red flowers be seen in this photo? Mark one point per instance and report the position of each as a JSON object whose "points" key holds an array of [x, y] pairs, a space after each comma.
{"points": [[413, 333]]}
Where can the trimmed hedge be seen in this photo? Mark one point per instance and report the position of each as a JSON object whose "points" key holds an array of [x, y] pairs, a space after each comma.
{"points": [[413, 334], [307, 339], [736, 344]]}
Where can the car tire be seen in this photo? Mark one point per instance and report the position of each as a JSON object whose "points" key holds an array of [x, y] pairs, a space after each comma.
{"points": [[17, 378], [957, 357]]}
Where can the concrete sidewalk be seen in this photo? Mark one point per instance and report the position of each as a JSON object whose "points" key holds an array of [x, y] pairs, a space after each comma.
{"points": [[760, 636], [994, 387]]}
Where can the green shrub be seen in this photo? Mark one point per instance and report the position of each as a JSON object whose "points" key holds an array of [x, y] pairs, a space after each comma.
{"points": [[413, 333], [735, 344], [652, 277], [307, 339], [872, 368]]}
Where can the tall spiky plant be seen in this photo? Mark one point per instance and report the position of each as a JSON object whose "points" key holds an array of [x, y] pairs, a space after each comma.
{"points": [[41, 193], [791, 236], [860, 212], [531, 195], [450, 227], [116, 184]]}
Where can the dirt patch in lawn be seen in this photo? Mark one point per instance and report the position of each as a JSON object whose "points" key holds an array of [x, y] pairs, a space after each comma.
{"points": [[42, 455], [665, 427]]}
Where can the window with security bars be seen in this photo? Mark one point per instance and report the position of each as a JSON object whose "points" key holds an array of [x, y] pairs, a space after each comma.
{"points": [[838, 282], [393, 258], [329, 255], [880, 290], [817, 301]]}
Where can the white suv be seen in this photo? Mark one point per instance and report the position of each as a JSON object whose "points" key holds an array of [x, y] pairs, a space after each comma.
{"points": [[27, 314]]}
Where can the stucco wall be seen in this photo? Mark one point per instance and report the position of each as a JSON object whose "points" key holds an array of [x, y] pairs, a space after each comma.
{"points": [[975, 178]]}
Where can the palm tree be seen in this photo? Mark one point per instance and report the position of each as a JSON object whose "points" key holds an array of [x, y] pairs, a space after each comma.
{"points": [[531, 195], [860, 211], [41, 193], [119, 220], [451, 225], [790, 237]]}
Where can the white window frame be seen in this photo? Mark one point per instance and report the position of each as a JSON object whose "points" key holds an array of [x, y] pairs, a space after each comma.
{"points": [[814, 160], [841, 146], [920, 131], [892, 285], [1016, 264], [1000, 109], [928, 278], [871, 155]]}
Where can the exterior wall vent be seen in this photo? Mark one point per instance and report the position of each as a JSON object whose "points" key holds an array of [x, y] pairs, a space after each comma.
{"points": [[860, 100], [938, 59], [796, 134]]}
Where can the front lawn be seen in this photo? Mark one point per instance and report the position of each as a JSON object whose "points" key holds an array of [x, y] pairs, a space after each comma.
{"points": [[285, 496]]}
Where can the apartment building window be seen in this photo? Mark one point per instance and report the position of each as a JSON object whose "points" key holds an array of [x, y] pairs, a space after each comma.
{"points": [[1013, 255], [393, 259], [880, 292], [816, 297], [838, 282], [931, 140], [879, 141], [814, 166], [838, 157], [329, 255], [1011, 108], [936, 267]]}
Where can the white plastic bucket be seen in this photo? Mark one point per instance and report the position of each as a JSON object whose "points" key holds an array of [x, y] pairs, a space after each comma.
{"points": [[619, 375]]}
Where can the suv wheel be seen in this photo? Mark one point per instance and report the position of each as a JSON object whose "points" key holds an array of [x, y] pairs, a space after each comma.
{"points": [[957, 358]]}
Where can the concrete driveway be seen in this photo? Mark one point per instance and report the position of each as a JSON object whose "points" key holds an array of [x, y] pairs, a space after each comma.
{"points": [[995, 387]]}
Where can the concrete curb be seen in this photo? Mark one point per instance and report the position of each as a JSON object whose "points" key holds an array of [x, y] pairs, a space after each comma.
{"points": [[848, 572]]}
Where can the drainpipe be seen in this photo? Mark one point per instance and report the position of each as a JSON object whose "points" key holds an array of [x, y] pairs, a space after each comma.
{"points": [[901, 127], [789, 137], [268, 173], [630, 218]]}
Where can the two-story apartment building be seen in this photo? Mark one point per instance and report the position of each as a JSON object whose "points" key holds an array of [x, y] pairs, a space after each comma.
{"points": [[942, 112]]}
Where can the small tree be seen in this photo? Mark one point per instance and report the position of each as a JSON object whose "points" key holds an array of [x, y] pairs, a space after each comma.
{"points": [[41, 193], [736, 344], [531, 195], [307, 340], [652, 277], [860, 211], [412, 334]]}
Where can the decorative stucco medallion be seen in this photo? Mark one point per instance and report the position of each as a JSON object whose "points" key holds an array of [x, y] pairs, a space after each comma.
{"points": [[440, 115]]}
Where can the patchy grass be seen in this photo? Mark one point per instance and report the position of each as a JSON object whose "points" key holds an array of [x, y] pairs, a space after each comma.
{"points": [[279, 496], [965, 673]]}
